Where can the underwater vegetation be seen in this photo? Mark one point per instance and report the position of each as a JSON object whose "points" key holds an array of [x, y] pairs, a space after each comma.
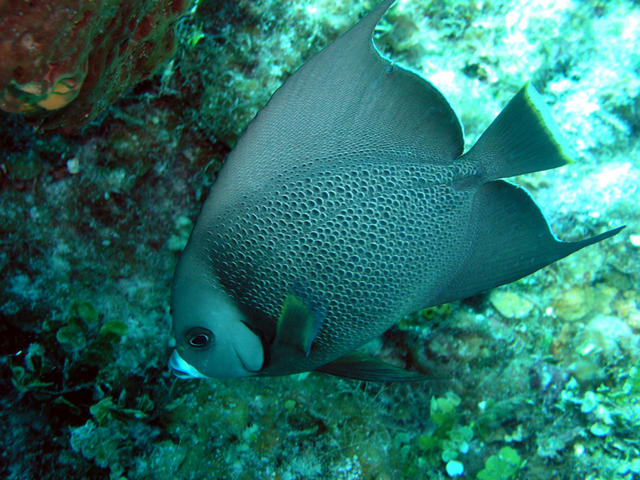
{"points": [[535, 380]]}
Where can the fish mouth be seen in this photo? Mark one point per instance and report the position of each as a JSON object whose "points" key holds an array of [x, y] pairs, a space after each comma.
{"points": [[183, 369]]}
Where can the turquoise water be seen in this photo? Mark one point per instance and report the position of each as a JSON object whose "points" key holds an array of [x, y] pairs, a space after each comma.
{"points": [[537, 379]]}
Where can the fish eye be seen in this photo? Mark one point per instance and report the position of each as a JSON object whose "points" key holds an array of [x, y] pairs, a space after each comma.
{"points": [[199, 337]]}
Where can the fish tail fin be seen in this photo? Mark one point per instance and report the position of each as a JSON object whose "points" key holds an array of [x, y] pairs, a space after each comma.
{"points": [[511, 239], [522, 139]]}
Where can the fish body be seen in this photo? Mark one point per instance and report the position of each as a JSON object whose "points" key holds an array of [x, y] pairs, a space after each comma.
{"points": [[360, 235], [347, 204]]}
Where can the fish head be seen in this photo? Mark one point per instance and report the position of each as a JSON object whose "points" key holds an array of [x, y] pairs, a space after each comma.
{"points": [[213, 337]]}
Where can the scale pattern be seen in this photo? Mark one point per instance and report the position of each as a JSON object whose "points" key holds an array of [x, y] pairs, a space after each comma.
{"points": [[374, 242]]}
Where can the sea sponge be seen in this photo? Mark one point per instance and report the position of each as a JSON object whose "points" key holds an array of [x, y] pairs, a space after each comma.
{"points": [[66, 61]]}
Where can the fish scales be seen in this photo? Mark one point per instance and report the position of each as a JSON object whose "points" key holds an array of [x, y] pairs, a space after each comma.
{"points": [[361, 236]]}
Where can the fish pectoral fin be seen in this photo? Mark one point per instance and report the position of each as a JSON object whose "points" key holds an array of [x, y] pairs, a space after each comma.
{"points": [[359, 366], [298, 325]]}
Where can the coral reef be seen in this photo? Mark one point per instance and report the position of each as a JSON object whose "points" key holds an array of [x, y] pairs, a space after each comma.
{"points": [[81, 55], [537, 380]]}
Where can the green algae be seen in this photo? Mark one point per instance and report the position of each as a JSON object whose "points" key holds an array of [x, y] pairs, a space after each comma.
{"points": [[503, 466]]}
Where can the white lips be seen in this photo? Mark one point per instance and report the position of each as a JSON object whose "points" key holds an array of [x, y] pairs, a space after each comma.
{"points": [[182, 369]]}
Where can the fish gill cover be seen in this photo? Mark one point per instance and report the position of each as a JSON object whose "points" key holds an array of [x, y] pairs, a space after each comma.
{"points": [[538, 379]]}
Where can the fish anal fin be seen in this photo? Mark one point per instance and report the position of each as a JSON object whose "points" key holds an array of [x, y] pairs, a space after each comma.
{"points": [[511, 239]]}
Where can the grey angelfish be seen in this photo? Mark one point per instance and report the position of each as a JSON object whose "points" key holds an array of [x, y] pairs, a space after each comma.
{"points": [[347, 204]]}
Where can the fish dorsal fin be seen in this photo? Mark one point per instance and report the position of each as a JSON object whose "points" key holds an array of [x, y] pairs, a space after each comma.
{"points": [[347, 102], [358, 366], [297, 325]]}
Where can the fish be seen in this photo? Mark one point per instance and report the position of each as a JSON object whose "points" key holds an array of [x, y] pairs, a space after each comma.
{"points": [[348, 203]]}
